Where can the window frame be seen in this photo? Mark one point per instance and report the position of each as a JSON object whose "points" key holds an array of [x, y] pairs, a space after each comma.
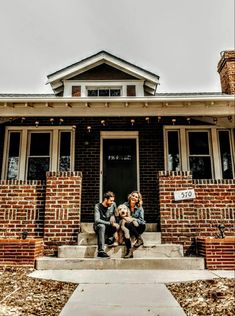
{"points": [[25, 143], [210, 154], [213, 144]]}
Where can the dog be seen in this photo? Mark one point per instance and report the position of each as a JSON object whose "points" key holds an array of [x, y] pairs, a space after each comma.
{"points": [[123, 212]]}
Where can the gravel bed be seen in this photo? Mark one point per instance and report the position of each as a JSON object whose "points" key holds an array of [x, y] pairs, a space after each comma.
{"points": [[208, 298], [24, 295]]}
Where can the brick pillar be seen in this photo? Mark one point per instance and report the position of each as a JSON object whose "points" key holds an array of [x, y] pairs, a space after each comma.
{"points": [[177, 219], [226, 69], [62, 208]]}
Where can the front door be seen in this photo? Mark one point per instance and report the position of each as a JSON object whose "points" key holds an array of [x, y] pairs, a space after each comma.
{"points": [[119, 167]]}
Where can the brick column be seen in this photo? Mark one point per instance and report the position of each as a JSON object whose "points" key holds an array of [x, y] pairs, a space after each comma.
{"points": [[62, 208], [177, 219]]}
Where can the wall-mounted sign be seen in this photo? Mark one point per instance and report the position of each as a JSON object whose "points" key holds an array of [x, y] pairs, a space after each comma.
{"points": [[184, 195]]}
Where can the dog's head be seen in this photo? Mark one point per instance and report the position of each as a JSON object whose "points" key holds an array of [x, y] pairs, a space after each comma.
{"points": [[123, 210]]}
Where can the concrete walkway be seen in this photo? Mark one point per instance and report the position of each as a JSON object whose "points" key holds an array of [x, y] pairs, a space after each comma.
{"points": [[125, 292]]}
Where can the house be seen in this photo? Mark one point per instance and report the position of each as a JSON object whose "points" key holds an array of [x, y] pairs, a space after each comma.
{"points": [[105, 127]]}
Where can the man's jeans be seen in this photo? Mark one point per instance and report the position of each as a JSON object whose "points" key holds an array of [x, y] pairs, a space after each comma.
{"points": [[103, 231]]}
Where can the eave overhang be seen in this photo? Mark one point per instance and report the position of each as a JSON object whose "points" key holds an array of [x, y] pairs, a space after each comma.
{"points": [[136, 106]]}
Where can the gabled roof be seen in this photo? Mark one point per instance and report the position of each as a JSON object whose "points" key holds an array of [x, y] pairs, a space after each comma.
{"points": [[56, 79]]}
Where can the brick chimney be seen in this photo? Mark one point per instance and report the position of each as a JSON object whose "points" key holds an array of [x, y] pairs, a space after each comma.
{"points": [[226, 69]]}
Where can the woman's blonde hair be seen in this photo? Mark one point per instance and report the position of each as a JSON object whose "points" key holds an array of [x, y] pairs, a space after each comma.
{"points": [[140, 201]]}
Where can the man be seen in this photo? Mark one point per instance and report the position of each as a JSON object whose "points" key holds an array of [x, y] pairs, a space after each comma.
{"points": [[105, 225]]}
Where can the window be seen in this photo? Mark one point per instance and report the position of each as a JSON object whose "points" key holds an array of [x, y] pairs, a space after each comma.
{"points": [[13, 156], [65, 151], [103, 92], [173, 151], [30, 152], [38, 159], [225, 155], [206, 151], [199, 154]]}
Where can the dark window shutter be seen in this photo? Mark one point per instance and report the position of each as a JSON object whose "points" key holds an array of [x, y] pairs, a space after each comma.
{"points": [[131, 91], [76, 91]]}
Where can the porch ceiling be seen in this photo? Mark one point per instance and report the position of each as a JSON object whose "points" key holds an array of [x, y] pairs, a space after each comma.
{"points": [[220, 106]]}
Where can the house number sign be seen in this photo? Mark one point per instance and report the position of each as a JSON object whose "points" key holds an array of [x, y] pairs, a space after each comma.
{"points": [[184, 195]]}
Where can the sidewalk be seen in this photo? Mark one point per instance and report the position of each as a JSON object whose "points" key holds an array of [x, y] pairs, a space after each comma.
{"points": [[125, 292]]}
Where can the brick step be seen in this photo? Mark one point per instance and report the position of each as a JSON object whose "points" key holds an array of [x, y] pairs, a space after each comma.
{"points": [[150, 238], [184, 263], [88, 227], [159, 251]]}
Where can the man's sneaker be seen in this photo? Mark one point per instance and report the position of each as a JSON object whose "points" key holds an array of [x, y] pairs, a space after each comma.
{"points": [[139, 242], [103, 254]]}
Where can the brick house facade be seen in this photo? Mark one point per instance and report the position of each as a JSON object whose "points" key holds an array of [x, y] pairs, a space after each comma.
{"points": [[106, 127]]}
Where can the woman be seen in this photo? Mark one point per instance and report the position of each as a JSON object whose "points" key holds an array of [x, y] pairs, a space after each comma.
{"points": [[137, 212]]}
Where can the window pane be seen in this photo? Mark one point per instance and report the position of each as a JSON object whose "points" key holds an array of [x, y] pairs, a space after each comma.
{"points": [[65, 141], [37, 168], [115, 92], [13, 156], [200, 167], [225, 154], [12, 168], [14, 146], [92, 93], [198, 143], [173, 151], [104, 92], [40, 144]]}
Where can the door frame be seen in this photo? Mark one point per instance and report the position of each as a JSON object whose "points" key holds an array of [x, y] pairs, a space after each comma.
{"points": [[118, 135]]}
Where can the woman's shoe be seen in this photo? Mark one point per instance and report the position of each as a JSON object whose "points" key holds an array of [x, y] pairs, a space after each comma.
{"points": [[129, 254], [139, 242]]}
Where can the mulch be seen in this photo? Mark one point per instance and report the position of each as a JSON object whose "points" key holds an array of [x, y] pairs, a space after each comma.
{"points": [[24, 295], [208, 297]]}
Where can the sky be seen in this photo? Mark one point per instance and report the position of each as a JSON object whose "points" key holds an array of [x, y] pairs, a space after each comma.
{"points": [[179, 40]]}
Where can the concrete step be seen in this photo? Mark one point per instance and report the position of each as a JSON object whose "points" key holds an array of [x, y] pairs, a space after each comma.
{"points": [[185, 263], [88, 227], [150, 238], [159, 251]]}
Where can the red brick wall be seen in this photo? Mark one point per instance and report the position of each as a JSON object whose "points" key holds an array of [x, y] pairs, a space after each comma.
{"points": [[21, 208], [226, 69], [20, 252], [182, 221], [219, 253], [62, 207]]}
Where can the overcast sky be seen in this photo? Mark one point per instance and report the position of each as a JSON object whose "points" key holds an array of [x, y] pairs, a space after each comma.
{"points": [[179, 40]]}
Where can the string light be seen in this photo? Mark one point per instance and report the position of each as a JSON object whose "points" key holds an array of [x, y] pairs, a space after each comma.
{"points": [[89, 128], [132, 122], [147, 119]]}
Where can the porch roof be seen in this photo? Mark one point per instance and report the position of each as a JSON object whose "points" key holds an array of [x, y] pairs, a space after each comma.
{"points": [[202, 106]]}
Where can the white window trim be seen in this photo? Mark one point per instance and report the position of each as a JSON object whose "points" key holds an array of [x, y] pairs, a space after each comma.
{"points": [[210, 141], [54, 147], [120, 84], [232, 149], [118, 135], [213, 144]]}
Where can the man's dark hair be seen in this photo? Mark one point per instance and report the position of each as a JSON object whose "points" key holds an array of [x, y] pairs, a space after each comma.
{"points": [[108, 195]]}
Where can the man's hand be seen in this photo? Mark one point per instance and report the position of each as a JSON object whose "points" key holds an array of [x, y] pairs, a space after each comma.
{"points": [[128, 219]]}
